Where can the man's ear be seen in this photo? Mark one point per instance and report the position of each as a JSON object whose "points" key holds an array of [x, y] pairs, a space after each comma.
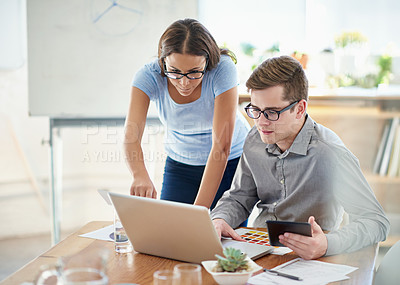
{"points": [[301, 109]]}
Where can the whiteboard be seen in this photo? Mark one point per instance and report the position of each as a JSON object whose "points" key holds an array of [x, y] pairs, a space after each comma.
{"points": [[83, 54]]}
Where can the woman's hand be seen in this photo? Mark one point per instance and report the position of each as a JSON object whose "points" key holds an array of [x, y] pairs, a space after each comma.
{"points": [[143, 187]]}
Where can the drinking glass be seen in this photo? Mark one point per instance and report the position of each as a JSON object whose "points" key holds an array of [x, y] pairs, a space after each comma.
{"points": [[190, 274], [85, 268], [166, 277], [121, 241]]}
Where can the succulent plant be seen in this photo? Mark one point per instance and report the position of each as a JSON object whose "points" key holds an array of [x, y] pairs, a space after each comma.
{"points": [[233, 261]]}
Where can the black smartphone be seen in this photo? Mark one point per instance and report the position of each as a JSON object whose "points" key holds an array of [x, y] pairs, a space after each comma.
{"points": [[277, 228]]}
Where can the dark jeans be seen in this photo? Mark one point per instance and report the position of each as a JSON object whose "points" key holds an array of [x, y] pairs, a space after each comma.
{"points": [[182, 181]]}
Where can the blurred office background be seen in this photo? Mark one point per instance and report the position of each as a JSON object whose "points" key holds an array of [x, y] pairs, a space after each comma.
{"points": [[349, 48]]}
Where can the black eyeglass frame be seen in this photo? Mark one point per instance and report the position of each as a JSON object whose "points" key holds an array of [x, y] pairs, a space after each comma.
{"points": [[248, 107], [166, 73]]}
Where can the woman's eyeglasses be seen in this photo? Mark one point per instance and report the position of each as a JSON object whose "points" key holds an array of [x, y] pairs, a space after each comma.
{"points": [[190, 75]]}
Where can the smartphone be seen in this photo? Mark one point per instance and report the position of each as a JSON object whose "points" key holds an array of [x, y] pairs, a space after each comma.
{"points": [[277, 228]]}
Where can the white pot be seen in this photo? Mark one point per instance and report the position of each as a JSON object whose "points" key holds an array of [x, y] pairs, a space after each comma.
{"points": [[230, 278]]}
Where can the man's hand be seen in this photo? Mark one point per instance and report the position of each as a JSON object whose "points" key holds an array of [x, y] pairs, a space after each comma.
{"points": [[226, 230], [307, 247]]}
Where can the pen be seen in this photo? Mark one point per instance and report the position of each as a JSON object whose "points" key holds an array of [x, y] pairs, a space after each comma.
{"points": [[282, 274]]}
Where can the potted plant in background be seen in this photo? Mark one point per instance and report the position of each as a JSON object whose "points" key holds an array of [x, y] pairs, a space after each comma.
{"points": [[350, 39], [351, 53], [385, 70], [301, 57], [233, 268], [257, 55]]}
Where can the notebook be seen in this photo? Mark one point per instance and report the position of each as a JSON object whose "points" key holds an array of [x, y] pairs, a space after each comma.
{"points": [[175, 230]]}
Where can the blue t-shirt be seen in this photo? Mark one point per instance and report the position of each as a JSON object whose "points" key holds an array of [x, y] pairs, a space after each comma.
{"points": [[188, 127]]}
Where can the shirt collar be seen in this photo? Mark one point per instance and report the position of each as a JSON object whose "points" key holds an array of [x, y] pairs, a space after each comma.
{"points": [[300, 143]]}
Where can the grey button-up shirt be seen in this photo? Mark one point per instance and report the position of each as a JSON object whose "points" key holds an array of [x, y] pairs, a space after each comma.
{"points": [[316, 176]]}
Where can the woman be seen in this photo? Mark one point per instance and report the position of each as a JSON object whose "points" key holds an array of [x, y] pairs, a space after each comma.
{"points": [[194, 86]]}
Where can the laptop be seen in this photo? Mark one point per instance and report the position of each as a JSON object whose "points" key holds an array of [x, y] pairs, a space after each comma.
{"points": [[175, 230]]}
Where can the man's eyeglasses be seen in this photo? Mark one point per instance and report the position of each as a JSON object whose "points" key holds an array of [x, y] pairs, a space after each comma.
{"points": [[190, 75], [271, 115]]}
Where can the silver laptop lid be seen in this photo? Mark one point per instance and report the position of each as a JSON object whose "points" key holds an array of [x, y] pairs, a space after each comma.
{"points": [[168, 229]]}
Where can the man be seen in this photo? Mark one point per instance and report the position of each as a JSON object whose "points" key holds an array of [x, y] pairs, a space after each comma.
{"points": [[298, 170]]}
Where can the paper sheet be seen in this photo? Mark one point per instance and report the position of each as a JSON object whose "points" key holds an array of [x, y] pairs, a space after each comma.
{"points": [[311, 271], [281, 250], [102, 234]]}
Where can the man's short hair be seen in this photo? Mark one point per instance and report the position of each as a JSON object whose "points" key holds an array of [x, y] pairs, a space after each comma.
{"points": [[284, 71]]}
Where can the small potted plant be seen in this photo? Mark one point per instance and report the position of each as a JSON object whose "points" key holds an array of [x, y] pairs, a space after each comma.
{"points": [[232, 268]]}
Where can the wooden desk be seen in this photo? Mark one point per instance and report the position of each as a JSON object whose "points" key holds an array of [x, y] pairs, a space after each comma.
{"points": [[139, 268]]}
